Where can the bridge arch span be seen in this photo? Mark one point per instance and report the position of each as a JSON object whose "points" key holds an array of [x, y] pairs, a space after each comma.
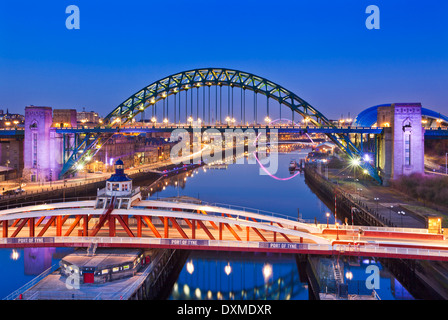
{"points": [[147, 97]]}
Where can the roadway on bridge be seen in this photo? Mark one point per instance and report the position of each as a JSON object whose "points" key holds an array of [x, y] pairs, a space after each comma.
{"points": [[152, 223]]}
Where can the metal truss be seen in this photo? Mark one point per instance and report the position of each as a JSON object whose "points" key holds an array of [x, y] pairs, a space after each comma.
{"points": [[148, 96]]}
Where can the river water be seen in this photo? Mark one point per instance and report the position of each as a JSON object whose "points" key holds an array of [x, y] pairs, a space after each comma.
{"points": [[221, 275]]}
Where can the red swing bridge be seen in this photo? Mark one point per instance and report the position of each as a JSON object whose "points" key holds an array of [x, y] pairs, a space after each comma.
{"points": [[119, 217]]}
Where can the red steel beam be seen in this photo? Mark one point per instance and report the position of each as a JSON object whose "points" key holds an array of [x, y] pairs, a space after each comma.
{"points": [[40, 221], [58, 226], [206, 230], [15, 222], [85, 226], [211, 222], [19, 228], [284, 235], [139, 226], [232, 231], [111, 225], [179, 228], [72, 226], [151, 226], [46, 226], [165, 227], [260, 235], [31, 227], [5, 228], [237, 226], [125, 226]]}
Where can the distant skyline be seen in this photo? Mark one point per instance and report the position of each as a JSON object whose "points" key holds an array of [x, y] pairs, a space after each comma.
{"points": [[320, 50]]}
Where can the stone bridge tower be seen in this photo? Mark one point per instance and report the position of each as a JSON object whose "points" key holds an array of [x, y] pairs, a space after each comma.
{"points": [[401, 147]]}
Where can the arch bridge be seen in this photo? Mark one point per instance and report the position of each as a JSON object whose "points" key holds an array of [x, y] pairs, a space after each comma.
{"points": [[162, 101]]}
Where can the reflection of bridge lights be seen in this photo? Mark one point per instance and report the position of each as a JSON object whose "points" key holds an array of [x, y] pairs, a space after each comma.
{"points": [[186, 290], [267, 271], [197, 293], [349, 275], [14, 255], [190, 267], [227, 269]]}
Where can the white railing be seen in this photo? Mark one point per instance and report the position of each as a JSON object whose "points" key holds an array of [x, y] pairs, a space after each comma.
{"points": [[14, 295], [234, 207]]}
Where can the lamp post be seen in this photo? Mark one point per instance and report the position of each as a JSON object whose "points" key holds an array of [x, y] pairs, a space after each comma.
{"points": [[401, 213], [376, 200], [390, 213], [328, 216]]}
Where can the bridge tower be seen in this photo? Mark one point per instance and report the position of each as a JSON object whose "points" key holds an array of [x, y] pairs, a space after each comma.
{"points": [[43, 148], [401, 146]]}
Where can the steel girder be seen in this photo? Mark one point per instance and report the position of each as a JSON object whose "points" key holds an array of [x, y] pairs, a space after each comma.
{"points": [[186, 80]]}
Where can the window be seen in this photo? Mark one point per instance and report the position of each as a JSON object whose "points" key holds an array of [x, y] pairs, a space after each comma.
{"points": [[407, 149], [115, 187], [34, 143]]}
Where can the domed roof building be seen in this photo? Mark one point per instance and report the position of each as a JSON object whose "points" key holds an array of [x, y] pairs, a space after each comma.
{"points": [[368, 117]]}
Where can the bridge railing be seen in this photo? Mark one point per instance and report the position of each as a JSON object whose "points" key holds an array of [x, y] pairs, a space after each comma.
{"points": [[237, 208], [47, 201], [356, 228], [14, 295], [366, 249]]}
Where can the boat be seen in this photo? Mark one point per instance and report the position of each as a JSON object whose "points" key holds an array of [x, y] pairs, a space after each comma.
{"points": [[293, 165]]}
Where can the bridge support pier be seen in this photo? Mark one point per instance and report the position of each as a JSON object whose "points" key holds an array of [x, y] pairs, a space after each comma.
{"points": [[401, 146]]}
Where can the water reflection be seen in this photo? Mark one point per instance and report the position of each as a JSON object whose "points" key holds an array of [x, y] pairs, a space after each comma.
{"points": [[239, 277], [37, 260]]}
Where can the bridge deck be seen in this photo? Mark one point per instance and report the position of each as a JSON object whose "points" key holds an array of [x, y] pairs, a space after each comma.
{"points": [[186, 225]]}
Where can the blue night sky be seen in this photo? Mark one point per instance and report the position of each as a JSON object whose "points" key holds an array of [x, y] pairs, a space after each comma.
{"points": [[321, 50]]}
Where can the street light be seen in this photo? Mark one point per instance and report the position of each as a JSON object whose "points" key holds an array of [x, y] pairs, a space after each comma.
{"points": [[328, 216], [401, 213], [376, 200]]}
